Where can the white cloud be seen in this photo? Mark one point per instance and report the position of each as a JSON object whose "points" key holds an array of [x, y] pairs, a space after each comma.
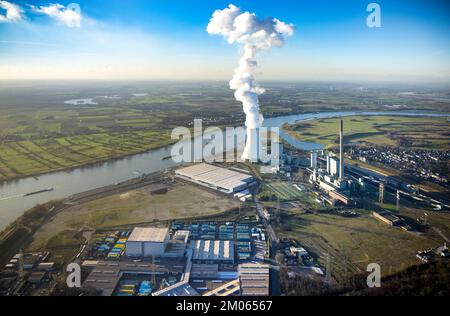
{"points": [[13, 12], [68, 16]]}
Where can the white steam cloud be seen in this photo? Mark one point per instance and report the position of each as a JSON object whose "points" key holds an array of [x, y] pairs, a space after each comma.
{"points": [[13, 12], [254, 35], [69, 16]]}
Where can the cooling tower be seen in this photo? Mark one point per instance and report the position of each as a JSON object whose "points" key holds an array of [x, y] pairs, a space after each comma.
{"points": [[252, 146]]}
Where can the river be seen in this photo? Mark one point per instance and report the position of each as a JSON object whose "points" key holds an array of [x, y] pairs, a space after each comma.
{"points": [[66, 183]]}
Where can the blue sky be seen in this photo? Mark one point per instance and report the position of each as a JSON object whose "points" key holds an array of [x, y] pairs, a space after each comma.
{"points": [[164, 39]]}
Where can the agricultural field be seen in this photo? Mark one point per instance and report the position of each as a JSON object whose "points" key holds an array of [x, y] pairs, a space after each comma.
{"points": [[350, 244], [419, 132], [40, 133], [42, 128], [36, 156]]}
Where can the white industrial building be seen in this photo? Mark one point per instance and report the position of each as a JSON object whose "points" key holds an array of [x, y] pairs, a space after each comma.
{"points": [[225, 180], [314, 160], [147, 241], [334, 166], [213, 251]]}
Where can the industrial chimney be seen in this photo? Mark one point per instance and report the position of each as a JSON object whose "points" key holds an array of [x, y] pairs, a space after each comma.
{"points": [[341, 151]]}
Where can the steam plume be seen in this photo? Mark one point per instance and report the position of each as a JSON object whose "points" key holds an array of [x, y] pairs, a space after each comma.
{"points": [[253, 35]]}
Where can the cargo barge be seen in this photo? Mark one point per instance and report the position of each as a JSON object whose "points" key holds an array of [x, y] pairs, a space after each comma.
{"points": [[37, 192]]}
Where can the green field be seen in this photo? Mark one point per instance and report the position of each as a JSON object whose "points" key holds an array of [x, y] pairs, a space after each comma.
{"points": [[283, 191], [413, 132], [353, 243], [129, 209], [50, 140], [38, 156], [40, 133]]}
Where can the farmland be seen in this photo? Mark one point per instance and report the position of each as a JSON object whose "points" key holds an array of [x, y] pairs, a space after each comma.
{"points": [[420, 132], [40, 131]]}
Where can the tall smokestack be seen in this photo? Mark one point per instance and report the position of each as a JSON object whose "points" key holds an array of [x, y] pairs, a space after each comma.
{"points": [[341, 151], [253, 35]]}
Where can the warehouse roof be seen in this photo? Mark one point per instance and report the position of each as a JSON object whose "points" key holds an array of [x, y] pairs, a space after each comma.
{"points": [[148, 234], [213, 250], [254, 279], [216, 176]]}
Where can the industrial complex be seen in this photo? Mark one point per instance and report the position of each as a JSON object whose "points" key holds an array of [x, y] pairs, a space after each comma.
{"points": [[202, 258], [234, 255], [332, 180]]}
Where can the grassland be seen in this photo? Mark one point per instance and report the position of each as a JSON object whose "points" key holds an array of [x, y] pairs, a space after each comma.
{"points": [[352, 243], [282, 190], [128, 209], [417, 132]]}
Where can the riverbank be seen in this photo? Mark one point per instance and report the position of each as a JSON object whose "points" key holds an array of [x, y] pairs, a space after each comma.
{"points": [[19, 234], [417, 132], [124, 205], [86, 164], [121, 169]]}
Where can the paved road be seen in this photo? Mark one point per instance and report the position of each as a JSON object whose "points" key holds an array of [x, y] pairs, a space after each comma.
{"points": [[274, 270], [266, 223]]}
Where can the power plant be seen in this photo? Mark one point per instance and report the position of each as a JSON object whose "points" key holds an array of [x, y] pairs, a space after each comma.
{"points": [[252, 146], [332, 180], [254, 35]]}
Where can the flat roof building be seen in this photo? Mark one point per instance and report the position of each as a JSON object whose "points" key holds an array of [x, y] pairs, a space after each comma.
{"points": [[150, 234], [218, 178], [147, 241], [254, 278], [106, 275], [213, 251]]}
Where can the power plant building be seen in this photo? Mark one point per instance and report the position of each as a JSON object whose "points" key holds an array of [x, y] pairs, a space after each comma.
{"points": [[334, 166], [328, 164], [314, 160]]}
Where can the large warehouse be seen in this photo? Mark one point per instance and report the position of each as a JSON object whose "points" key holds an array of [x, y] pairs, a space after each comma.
{"points": [[254, 279], [209, 251], [218, 178], [147, 241]]}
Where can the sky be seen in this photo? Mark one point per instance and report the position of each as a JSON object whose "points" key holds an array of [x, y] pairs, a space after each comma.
{"points": [[167, 40]]}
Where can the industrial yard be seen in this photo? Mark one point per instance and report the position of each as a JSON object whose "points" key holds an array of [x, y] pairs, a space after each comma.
{"points": [[227, 230], [188, 258], [125, 246]]}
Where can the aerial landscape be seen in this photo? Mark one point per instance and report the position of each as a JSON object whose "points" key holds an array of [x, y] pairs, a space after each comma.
{"points": [[337, 185]]}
